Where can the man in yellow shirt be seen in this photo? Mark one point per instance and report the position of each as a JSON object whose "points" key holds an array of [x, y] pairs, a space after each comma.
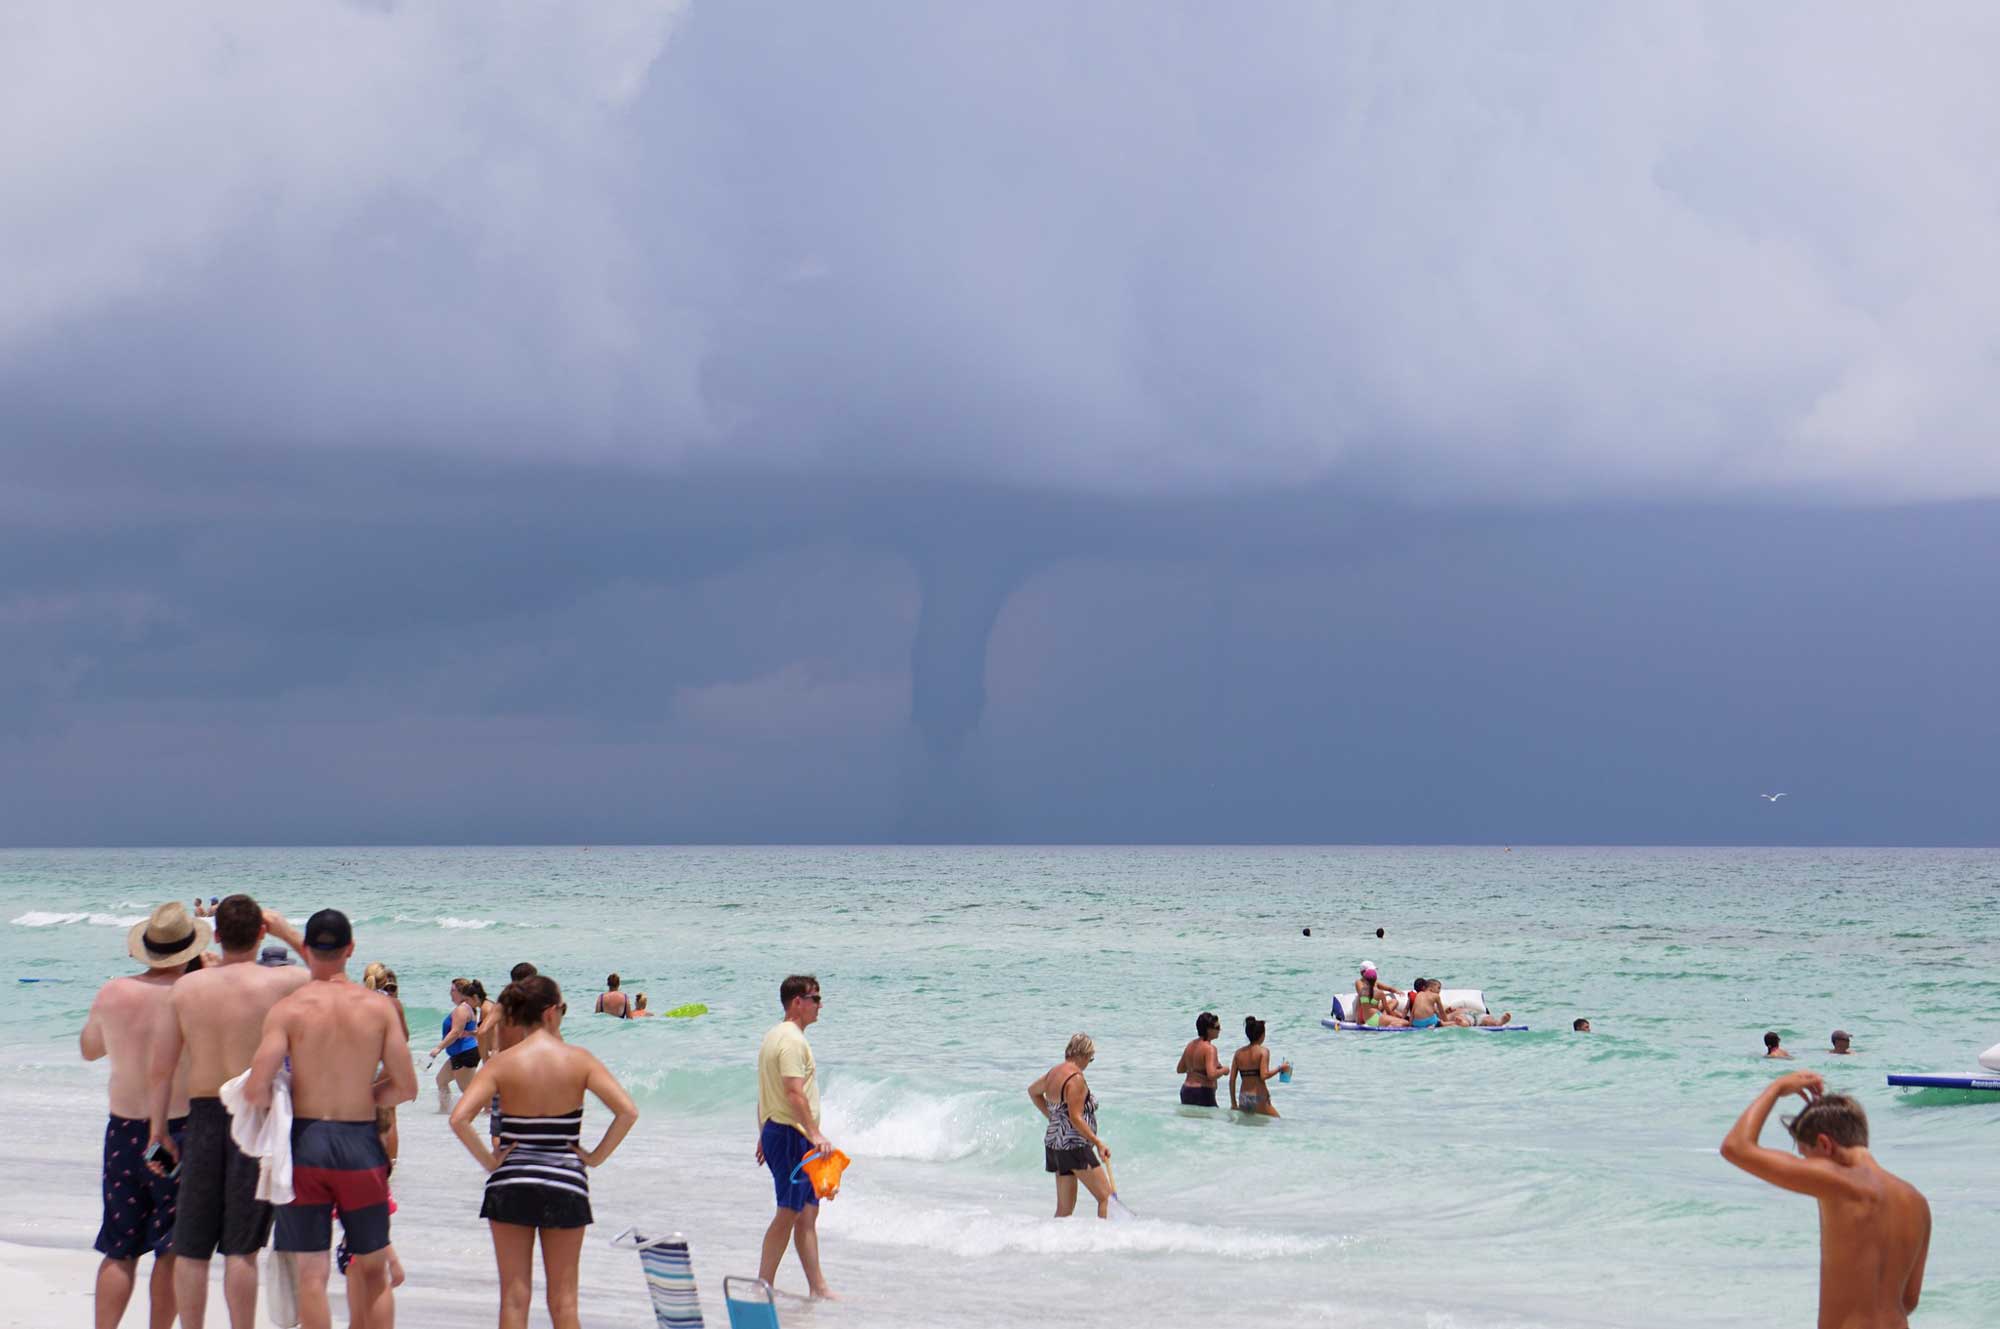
{"points": [[788, 1129]]}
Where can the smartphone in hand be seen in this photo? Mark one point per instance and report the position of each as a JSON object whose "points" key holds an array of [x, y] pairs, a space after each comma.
{"points": [[157, 1153]]}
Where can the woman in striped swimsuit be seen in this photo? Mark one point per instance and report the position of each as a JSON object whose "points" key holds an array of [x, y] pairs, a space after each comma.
{"points": [[1072, 1147], [537, 1181]]}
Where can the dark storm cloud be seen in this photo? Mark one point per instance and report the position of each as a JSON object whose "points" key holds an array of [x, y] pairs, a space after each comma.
{"points": [[1487, 253], [752, 421]]}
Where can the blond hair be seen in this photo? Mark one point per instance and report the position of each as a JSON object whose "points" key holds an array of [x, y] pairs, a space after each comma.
{"points": [[1079, 1046]]}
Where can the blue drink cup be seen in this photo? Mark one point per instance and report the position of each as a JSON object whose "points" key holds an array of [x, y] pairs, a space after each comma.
{"points": [[1285, 1075]]}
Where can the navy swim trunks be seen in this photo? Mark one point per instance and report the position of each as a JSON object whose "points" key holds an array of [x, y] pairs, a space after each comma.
{"points": [[785, 1147], [336, 1163], [138, 1206]]}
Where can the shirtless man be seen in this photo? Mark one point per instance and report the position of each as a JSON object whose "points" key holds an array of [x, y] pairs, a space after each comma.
{"points": [[216, 1015], [1426, 1005], [138, 1205], [1874, 1227], [339, 1035], [1772, 1050]]}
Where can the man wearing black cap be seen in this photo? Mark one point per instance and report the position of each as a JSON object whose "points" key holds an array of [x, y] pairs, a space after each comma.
{"points": [[349, 1056], [218, 1017]]}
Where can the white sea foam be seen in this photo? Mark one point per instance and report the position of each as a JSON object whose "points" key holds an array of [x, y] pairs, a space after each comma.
{"points": [[890, 1121], [446, 921], [972, 1233], [48, 918]]}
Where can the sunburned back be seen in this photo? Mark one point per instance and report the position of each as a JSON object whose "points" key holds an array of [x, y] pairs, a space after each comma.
{"points": [[338, 1033], [1197, 1063], [1424, 1003], [1870, 1247], [129, 1011], [221, 1012], [541, 1077]]}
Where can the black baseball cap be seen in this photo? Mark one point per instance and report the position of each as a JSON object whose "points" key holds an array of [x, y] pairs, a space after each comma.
{"points": [[328, 930]]}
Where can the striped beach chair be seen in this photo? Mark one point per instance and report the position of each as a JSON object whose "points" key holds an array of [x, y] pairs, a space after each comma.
{"points": [[669, 1272]]}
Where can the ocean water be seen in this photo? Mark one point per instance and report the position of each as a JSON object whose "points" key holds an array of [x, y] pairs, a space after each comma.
{"points": [[1450, 1180]]}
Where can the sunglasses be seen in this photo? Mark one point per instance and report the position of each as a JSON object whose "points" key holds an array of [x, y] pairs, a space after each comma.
{"points": [[814, 998], [389, 988]]}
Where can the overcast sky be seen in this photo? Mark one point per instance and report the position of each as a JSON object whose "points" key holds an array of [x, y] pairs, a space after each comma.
{"points": [[645, 421]]}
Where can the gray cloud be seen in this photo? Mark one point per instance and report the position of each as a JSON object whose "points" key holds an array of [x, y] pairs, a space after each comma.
{"points": [[1494, 254]]}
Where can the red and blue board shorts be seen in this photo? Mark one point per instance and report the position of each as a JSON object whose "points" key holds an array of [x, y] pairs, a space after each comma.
{"points": [[336, 1163]]}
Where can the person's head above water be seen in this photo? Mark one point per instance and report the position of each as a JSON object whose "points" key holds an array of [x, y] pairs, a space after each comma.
{"points": [[1080, 1049], [521, 971], [611, 982], [1829, 1122], [639, 1002], [1841, 1040], [1207, 1025], [1253, 1029], [1580, 1025], [1770, 1041], [1378, 934]]}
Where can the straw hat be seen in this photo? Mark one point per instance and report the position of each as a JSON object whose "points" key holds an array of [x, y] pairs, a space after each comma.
{"points": [[169, 937]]}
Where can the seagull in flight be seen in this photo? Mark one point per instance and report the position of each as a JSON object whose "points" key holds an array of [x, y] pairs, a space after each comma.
{"points": [[1771, 797]]}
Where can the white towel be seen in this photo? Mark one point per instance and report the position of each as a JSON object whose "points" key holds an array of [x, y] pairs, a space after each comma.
{"points": [[265, 1134]]}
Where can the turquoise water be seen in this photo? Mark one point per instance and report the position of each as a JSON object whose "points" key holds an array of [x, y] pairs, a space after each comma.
{"points": [[1449, 1180]]}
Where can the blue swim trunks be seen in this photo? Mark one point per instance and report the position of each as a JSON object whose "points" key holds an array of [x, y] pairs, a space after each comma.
{"points": [[784, 1148], [1428, 1022]]}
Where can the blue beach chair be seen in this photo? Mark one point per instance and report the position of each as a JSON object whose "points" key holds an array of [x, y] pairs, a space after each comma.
{"points": [[752, 1305], [669, 1274]]}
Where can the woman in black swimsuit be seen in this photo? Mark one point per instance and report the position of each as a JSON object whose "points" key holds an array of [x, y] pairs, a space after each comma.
{"points": [[1200, 1063], [537, 1179], [1252, 1066]]}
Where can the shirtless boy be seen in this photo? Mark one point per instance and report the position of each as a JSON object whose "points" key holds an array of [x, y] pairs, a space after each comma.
{"points": [[1874, 1227], [139, 1205], [216, 1017], [338, 1035]]}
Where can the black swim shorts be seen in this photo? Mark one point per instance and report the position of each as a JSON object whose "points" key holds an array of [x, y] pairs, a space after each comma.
{"points": [[1198, 1095], [218, 1210], [1064, 1162], [466, 1061]]}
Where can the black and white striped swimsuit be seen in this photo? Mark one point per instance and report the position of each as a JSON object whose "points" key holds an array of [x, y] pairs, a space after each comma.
{"points": [[542, 1181]]}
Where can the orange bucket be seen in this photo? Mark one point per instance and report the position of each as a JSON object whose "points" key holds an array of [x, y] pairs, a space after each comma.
{"points": [[823, 1169]]}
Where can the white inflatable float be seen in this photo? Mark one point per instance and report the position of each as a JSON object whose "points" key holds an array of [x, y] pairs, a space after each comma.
{"points": [[1453, 999]]}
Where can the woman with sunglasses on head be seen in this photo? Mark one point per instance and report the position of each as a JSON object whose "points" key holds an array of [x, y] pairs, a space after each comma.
{"points": [[538, 1184], [379, 977], [1200, 1063], [1071, 1146]]}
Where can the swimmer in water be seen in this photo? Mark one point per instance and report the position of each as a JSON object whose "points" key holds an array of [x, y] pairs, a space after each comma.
{"points": [[1374, 1000], [1252, 1067], [1772, 1050], [1200, 1062]]}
